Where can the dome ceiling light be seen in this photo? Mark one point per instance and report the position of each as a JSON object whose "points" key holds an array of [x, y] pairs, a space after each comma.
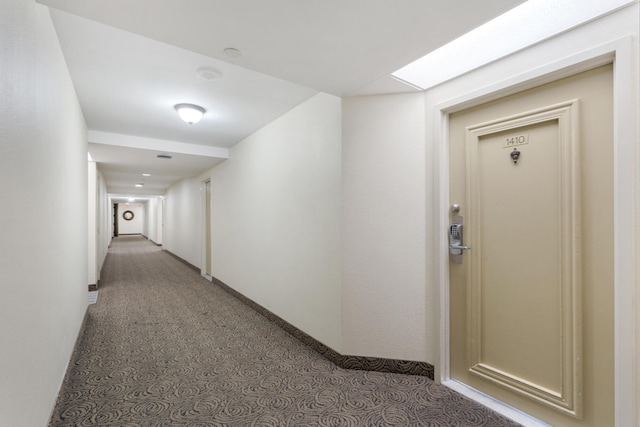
{"points": [[190, 113]]}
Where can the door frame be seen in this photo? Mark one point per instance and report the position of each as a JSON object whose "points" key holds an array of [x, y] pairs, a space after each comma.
{"points": [[206, 211], [115, 220], [620, 54]]}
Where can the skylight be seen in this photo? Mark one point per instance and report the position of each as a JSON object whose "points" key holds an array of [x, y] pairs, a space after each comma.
{"points": [[522, 26]]}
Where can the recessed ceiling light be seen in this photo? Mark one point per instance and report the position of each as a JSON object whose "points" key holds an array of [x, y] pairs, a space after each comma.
{"points": [[164, 156], [146, 174], [232, 52], [139, 184], [190, 113], [206, 73]]}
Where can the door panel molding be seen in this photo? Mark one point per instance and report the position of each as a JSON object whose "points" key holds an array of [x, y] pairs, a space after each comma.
{"points": [[562, 391], [620, 52]]}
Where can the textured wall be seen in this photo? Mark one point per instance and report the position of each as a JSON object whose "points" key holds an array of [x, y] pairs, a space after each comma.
{"points": [[43, 185], [182, 232], [276, 218], [384, 195]]}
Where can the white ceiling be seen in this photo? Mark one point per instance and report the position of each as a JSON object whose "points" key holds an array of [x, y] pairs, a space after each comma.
{"points": [[131, 61], [122, 168]]}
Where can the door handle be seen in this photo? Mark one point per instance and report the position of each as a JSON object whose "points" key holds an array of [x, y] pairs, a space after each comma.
{"points": [[455, 239], [460, 247], [456, 247]]}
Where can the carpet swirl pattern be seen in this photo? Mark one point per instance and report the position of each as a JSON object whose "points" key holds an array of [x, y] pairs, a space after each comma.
{"points": [[164, 347]]}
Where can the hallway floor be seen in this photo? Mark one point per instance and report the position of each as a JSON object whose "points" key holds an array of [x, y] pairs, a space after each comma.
{"points": [[165, 347]]}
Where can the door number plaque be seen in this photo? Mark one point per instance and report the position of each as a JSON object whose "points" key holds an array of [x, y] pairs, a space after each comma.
{"points": [[513, 141]]}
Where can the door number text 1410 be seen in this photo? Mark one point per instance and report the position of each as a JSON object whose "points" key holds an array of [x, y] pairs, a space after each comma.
{"points": [[513, 141]]}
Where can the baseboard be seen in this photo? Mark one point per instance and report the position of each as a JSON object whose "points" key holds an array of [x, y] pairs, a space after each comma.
{"points": [[182, 260], [407, 367], [72, 357], [151, 240], [525, 420], [377, 364]]}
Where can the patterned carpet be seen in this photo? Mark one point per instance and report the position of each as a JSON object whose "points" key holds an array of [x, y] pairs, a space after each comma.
{"points": [[164, 347]]}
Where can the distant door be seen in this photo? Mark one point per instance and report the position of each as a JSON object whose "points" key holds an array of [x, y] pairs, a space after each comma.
{"points": [[531, 280], [115, 220]]}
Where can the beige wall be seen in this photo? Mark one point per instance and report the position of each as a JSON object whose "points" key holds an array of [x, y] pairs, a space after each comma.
{"points": [[43, 183]]}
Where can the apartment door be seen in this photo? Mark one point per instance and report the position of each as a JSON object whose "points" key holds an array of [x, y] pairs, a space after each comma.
{"points": [[531, 274]]}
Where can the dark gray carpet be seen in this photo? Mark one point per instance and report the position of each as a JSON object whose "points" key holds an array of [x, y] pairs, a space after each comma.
{"points": [[164, 347]]}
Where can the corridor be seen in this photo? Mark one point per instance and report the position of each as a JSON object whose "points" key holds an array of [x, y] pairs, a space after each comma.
{"points": [[165, 347]]}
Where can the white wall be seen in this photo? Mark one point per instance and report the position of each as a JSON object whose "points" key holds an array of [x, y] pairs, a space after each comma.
{"points": [[182, 232], [159, 221], [276, 218], [384, 293], [43, 249], [92, 224], [152, 229], [104, 219], [99, 218], [135, 225]]}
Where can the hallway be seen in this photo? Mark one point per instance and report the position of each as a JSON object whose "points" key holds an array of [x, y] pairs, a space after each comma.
{"points": [[163, 346]]}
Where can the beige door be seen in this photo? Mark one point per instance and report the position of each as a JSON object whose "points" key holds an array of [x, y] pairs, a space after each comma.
{"points": [[532, 299]]}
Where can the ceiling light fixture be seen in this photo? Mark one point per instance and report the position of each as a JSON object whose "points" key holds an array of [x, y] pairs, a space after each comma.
{"points": [[190, 113], [139, 185], [146, 174]]}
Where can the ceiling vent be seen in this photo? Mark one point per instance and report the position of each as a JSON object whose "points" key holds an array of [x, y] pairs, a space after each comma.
{"points": [[164, 156]]}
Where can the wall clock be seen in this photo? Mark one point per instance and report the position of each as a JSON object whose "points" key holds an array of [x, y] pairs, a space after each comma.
{"points": [[128, 215]]}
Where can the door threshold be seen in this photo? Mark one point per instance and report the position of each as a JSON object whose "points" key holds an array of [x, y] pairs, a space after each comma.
{"points": [[502, 408]]}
